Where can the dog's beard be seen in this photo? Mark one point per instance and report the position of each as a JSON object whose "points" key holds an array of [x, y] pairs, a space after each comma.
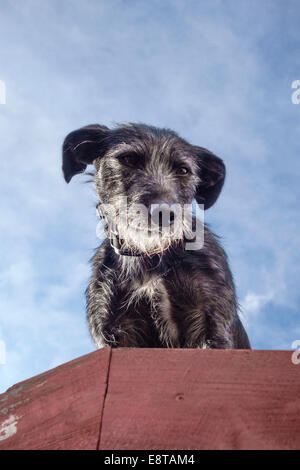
{"points": [[139, 232], [148, 241], [142, 235]]}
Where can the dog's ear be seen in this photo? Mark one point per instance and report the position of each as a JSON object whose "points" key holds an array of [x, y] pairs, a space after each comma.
{"points": [[82, 147], [212, 175]]}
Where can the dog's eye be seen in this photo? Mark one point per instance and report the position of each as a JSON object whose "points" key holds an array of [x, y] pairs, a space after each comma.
{"points": [[182, 170], [130, 159]]}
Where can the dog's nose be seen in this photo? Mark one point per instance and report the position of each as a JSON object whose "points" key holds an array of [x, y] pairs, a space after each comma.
{"points": [[162, 214]]}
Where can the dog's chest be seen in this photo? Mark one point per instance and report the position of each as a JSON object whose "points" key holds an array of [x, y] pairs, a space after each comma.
{"points": [[153, 291]]}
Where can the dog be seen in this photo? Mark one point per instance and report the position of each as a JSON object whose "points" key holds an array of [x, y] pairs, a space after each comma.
{"points": [[147, 289]]}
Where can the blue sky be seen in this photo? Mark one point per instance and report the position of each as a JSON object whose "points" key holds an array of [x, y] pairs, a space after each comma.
{"points": [[217, 72]]}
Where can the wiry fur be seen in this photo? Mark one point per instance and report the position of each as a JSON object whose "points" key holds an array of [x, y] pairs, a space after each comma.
{"points": [[168, 296]]}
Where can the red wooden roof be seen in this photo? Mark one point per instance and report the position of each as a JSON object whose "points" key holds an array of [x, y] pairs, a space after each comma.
{"points": [[158, 399]]}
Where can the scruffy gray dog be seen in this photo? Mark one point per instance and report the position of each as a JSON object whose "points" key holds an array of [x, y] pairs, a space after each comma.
{"points": [[148, 289]]}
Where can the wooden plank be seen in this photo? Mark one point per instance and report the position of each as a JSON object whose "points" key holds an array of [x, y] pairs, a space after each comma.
{"points": [[201, 399], [60, 409]]}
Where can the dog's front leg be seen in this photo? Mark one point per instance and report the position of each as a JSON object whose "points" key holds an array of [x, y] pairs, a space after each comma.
{"points": [[206, 329], [113, 321]]}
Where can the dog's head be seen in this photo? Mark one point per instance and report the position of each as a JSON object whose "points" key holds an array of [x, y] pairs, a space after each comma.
{"points": [[145, 166]]}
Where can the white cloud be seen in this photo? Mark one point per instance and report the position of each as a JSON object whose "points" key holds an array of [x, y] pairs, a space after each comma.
{"points": [[253, 302]]}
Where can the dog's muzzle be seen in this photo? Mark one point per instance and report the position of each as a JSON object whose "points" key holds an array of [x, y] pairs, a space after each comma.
{"points": [[159, 219], [162, 214]]}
